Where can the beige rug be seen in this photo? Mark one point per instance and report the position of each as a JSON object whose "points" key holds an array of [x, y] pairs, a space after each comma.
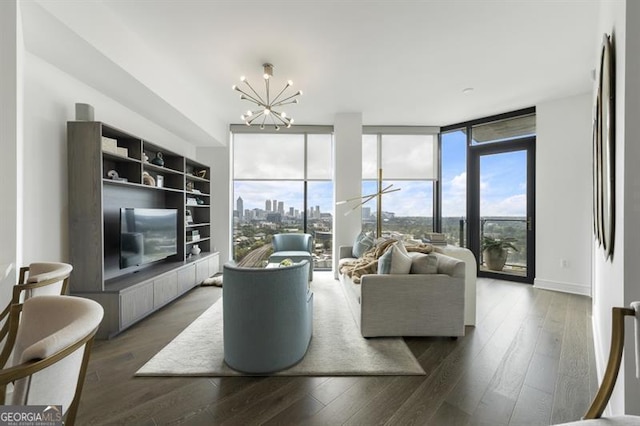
{"points": [[337, 347]]}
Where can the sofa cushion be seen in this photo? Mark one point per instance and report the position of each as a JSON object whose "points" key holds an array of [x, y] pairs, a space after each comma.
{"points": [[362, 243], [395, 260], [424, 264]]}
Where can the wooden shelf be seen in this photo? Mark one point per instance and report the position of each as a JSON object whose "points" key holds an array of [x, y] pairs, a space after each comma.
{"points": [[95, 201]]}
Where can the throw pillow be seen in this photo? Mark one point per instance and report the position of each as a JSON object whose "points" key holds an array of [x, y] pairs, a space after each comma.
{"points": [[362, 243], [424, 264], [400, 260], [394, 261], [384, 262]]}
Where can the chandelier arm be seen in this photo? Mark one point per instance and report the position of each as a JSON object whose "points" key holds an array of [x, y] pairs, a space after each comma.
{"points": [[280, 118], [252, 119], [264, 118], [281, 92], [286, 99], [273, 120], [249, 97], [254, 91], [282, 103]]}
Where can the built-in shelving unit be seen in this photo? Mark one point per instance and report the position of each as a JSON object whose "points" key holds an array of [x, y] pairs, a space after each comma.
{"points": [[96, 195]]}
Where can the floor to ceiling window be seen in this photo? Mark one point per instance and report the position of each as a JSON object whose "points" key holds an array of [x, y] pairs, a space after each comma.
{"points": [[453, 186], [282, 182], [406, 159]]}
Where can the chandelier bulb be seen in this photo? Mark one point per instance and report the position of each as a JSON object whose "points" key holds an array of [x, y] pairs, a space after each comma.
{"points": [[290, 122], [243, 78], [289, 83], [299, 92], [262, 127], [247, 123], [249, 113], [234, 87], [284, 114], [277, 128], [267, 111], [295, 101], [243, 118]]}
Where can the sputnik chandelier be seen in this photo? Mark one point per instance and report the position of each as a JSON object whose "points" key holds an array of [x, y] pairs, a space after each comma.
{"points": [[267, 105]]}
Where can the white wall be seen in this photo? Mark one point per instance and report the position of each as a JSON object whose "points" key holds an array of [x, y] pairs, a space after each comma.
{"points": [[11, 52], [50, 97], [631, 204], [563, 194], [615, 281]]}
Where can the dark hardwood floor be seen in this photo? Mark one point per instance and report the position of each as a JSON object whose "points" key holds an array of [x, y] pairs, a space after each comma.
{"points": [[529, 361]]}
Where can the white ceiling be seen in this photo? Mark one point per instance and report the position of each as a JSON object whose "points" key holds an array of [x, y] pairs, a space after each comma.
{"points": [[396, 62]]}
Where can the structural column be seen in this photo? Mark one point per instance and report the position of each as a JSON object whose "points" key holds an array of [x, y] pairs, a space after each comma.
{"points": [[347, 157]]}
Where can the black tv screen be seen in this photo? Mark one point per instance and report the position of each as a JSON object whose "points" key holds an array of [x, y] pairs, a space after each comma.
{"points": [[147, 235]]}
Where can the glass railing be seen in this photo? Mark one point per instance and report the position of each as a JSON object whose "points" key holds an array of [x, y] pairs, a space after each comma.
{"points": [[511, 229]]}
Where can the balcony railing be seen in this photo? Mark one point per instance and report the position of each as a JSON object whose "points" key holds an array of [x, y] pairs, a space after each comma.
{"points": [[499, 228]]}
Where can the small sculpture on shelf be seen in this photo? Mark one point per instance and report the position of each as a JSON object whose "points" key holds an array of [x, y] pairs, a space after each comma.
{"points": [[158, 160], [201, 173], [195, 249], [147, 179], [113, 175]]}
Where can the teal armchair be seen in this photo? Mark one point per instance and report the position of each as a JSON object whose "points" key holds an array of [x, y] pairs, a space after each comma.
{"points": [[267, 317], [297, 247]]}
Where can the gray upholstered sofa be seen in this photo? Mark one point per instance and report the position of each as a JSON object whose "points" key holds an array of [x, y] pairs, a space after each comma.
{"points": [[267, 317], [409, 304]]}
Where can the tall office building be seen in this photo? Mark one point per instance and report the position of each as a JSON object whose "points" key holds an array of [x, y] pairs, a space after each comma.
{"points": [[267, 205], [281, 207], [240, 208], [317, 215], [366, 212], [274, 205]]}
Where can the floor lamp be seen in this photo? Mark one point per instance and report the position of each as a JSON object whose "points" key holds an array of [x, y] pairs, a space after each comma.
{"points": [[366, 198]]}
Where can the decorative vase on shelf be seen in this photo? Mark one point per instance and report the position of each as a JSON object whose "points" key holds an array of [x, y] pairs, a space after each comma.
{"points": [[195, 250], [158, 160]]}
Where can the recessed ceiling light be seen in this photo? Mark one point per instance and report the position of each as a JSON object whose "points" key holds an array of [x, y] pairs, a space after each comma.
{"points": [[467, 90]]}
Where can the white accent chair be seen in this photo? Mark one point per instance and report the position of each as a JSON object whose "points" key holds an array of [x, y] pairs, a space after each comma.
{"points": [[50, 338], [37, 279]]}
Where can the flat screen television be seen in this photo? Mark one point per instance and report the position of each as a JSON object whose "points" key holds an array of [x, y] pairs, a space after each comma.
{"points": [[147, 235]]}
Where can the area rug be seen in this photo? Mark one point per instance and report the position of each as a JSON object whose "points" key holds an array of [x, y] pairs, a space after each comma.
{"points": [[337, 348]]}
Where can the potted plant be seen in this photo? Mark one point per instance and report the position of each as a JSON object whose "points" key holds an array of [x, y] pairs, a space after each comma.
{"points": [[495, 250]]}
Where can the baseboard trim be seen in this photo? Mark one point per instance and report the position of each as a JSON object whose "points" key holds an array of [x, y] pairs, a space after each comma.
{"points": [[562, 287]]}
